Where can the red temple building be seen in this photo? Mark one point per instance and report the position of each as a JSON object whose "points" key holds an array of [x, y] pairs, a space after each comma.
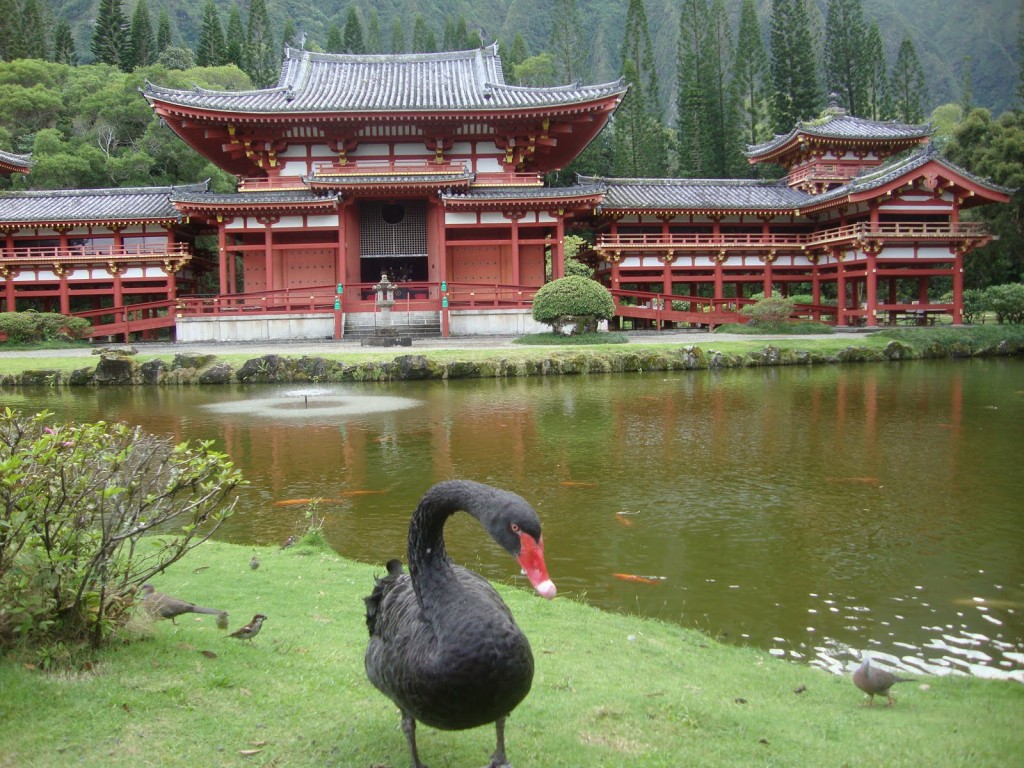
{"points": [[429, 168]]}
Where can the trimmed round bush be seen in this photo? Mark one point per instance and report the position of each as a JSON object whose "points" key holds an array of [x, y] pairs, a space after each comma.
{"points": [[572, 296]]}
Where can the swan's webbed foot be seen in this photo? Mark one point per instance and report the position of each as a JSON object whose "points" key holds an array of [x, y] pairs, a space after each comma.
{"points": [[498, 759], [409, 729]]}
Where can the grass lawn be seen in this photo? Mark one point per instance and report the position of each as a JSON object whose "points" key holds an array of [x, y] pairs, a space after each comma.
{"points": [[610, 690]]}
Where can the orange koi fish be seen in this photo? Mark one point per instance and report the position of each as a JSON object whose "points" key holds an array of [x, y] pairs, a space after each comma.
{"points": [[640, 579], [577, 484], [621, 517]]}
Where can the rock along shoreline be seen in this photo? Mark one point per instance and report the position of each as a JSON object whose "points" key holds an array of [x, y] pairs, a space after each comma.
{"points": [[118, 366]]}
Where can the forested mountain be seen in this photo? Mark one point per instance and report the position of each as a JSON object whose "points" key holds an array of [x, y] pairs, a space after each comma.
{"points": [[945, 33]]}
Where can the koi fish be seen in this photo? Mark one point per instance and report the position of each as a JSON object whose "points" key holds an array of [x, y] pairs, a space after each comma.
{"points": [[577, 484], [297, 502], [640, 579], [621, 517]]}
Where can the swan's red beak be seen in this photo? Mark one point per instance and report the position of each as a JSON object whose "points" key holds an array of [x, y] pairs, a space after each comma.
{"points": [[531, 558]]}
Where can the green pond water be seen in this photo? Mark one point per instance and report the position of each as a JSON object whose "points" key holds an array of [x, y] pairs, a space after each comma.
{"points": [[815, 511]]}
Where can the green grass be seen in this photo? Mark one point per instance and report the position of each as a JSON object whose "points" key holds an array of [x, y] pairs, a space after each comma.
{"points": [[610, 690], [575, 340]]}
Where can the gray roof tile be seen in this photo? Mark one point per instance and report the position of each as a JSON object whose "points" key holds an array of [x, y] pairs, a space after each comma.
{"points": [[16, 161], [698, 194], [839, 125], [73, 205], [524, 193], [338, 83]]}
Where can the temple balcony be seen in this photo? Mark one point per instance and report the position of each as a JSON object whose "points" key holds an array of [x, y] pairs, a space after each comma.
{"points": [[130, 254]]}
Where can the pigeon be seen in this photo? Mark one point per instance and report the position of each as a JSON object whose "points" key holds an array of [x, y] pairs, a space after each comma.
{"points": [[161, 606], [255, 562], [250, 630], [874, 680]]}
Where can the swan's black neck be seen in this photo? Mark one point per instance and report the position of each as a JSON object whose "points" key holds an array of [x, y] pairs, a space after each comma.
{"points": [[429, 564]]}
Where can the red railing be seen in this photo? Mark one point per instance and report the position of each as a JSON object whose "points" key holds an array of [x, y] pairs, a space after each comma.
{"points": [[78, 254], [796, 241], [133, 318]]}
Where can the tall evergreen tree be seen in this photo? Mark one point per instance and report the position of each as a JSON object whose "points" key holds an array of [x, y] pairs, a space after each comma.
{"points": [[749, 72], [794, 78], [1020, 48], [10, 31], [164, 37], [33, 31], [878, 103], [423, 39], [110, 35], [908, 85], [64, 44], [566, 41], [289, 37], [513, 56], [260, 50], [352, 38], [724, 144], [234, 39], [966, 92], [637, 47], [845, 55], [638, 137], [334, 42], [398, 38], [141, 40], [374, 41], [211, 49], [693, 107]]}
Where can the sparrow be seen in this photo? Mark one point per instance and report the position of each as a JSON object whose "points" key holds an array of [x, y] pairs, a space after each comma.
{"points": [[288, 542], [250, 630], [161, 606]]}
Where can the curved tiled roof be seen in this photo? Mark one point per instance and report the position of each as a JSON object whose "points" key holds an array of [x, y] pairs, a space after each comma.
{"points": [[338, 83], [698, 194], [841, 126], [16, 162], [524, 193], [79, 205]]}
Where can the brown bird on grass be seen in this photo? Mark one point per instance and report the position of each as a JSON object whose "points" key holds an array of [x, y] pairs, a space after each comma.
{"points": [[161, 606], [873, 680], [250, 630]]}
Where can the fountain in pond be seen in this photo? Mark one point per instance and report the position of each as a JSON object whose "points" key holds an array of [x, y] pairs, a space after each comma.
{"points": [[385, 334], [313, 403]]}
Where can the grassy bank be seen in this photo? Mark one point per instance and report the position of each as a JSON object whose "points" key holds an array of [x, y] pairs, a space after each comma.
{"points": [[360, 363], [610, 690]]}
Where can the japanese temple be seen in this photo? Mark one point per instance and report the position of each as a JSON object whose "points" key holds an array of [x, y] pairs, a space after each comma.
{"points": [[429, 169]]}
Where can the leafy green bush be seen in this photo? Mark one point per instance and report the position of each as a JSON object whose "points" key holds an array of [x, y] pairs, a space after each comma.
{"points": [[771, 312], [1007, 301], [572, 296], [76, 500], [29, 327], [975, 304]]}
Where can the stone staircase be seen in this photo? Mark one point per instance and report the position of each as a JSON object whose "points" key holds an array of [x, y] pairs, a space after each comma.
{"points": [[416, 325]]}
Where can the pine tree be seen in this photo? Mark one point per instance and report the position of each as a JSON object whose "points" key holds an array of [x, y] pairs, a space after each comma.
{"points": [[423, 40], [966, 92], [10, 32], [878, 103], [845, 55], [794, 79], [516, 54], [210, 51], [334, 42], [908, 85], [352, 38], [749, 72], [234, 39], [163, 32], [398, 39], [374, 41], [141, 41], [260, 53], [289, 37], [33, 31], [451, 39], [64, 44], [724, 145], [566, 41], [636, 46], [638, 137], [693, 108], [110, 35]]}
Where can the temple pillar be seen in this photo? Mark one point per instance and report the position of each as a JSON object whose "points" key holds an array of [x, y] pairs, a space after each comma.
{"points": [[516, 267], [222, 257], [958, 285], [871, 288]]}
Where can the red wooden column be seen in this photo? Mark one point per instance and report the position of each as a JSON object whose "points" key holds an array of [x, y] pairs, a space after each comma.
{"points": [[65, 293], [8, 275], [719, 274], [766, 284], [871, 283], [515, 216], [115, 271], [222, 256], [268, 250], [958, 283], [558, 248], [840, 288]]}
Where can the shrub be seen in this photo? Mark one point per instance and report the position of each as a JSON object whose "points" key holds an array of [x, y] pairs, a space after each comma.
{"points": [[29, 327], [1007, 301], [975, 304], [772, 311], [572, 296], [76, 501]]}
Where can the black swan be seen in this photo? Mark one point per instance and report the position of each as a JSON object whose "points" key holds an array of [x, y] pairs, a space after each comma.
{"points": [[443, 645]]}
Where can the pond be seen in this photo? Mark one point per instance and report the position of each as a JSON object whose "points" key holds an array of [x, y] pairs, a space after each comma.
{"points": [[810, 511]]}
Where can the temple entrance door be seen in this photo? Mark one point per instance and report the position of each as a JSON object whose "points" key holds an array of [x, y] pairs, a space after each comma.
{"points": [[393, 240]]}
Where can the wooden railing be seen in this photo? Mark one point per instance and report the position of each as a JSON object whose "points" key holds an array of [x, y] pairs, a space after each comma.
{"points": [[133, 318], [76, 254], [797, 241], [397, 168]]}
